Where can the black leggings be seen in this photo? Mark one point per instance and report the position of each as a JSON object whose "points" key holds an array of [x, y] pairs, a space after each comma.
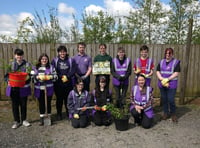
{"points": [[142, 119], [19, 105], [102, 118], [41, 101], [81, 122]]}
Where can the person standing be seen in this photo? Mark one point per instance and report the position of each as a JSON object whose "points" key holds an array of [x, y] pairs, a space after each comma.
{"points": [[19, 95], [83, 65], [144, 65], [65, 68], [121, 70], [167, 72], [44, 76], [141, 103], [78, 101], [103, 57]]}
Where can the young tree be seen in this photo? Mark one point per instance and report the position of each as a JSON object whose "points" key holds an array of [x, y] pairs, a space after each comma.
{"points": [[99, 28]]}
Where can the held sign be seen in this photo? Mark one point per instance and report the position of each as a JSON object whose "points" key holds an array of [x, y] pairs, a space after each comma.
{"points": [[101, 68]]}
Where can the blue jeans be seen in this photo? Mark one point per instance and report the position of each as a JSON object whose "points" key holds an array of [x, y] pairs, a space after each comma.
{"points": [[168, 100]]}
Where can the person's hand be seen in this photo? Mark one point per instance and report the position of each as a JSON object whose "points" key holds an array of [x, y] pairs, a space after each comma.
{"points": [[138, 70], [27, 77], [166, 85], [41, 77], [83, 77], [97, 107], [64, 78], [146, 75], [83, 108], [138, 108], [76, 116], [164, 81], [48, 77], [104, 108]]}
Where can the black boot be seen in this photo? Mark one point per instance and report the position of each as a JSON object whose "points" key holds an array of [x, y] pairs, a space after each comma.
{"points": [[59, 116], [41, 121]]}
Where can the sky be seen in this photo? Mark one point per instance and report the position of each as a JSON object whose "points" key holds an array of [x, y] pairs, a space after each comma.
{"points": [[13, 11]]}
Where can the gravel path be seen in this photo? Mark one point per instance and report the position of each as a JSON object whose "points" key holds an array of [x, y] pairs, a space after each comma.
{"points": [[164, 134]]}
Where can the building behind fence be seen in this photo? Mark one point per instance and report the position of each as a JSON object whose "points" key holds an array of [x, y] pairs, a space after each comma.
{"points": [[33, 51]]}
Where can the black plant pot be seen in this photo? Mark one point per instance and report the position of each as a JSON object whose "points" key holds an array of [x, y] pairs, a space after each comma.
{"points": [[122, 124]]}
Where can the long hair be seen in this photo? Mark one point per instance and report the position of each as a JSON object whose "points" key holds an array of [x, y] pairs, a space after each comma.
{"points": [[39, 61], [97, 88]]}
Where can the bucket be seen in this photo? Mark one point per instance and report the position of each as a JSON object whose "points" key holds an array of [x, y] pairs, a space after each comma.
{"points": [[122, 124], [17, 79]]}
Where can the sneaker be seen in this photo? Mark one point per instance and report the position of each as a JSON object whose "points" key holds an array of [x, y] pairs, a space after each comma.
{"points": [[26, 123], [15, 125]]}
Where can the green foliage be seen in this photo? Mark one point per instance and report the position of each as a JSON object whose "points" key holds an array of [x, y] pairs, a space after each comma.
{"points": [[98, 29], [117, 113]]}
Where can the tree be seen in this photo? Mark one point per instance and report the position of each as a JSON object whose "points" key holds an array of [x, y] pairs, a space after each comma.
{"points": [[147, 21], [99, 28], [44, 31]]}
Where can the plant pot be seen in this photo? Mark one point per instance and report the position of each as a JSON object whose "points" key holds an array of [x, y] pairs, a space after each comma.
{"points": [[17, 79], [122, 124]]}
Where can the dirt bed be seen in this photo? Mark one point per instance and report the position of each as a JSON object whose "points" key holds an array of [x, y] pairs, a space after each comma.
{"points": [[164, 134]]}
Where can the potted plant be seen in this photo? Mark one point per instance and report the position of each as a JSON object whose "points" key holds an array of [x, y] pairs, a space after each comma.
{"points": [[120, 115]]}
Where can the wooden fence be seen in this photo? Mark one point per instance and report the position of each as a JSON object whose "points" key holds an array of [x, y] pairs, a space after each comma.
{"points": [[33, 51]]}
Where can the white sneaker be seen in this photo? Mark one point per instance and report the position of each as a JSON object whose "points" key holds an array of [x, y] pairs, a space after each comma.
{"points": [[26, 123], [15, 125]]}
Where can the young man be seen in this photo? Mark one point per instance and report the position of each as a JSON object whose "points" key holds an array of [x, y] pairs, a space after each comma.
{"points": [[83, 65], [65, 69], [19, 95], [144, 65]]}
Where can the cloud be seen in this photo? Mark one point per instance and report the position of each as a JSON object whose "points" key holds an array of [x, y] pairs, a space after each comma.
{"points": [[9, 23], [65, 22], [64, 8], [93, 9], [118, 7]]}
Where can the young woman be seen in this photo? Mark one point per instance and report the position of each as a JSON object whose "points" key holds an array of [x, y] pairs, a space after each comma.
{"points": [[65, 68], [78, 100], [19, 95], [44, 75], [167, 72], [141, 107], [121, 70], [100, 97]]}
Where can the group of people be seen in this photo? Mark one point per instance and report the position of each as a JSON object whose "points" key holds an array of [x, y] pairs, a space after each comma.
{"points": [[69, 78]]}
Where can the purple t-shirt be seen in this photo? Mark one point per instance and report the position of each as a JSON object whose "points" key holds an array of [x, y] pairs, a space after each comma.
{"points": [[82, 63]]}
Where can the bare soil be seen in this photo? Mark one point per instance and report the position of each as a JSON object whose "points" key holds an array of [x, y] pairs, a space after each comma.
{"points": [[164, 134]]}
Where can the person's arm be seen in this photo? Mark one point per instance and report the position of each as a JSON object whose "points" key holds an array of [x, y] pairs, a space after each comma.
{"points": [[113, 72], [129, 71]]}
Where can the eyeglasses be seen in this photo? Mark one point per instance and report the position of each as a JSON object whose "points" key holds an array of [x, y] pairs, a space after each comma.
{"points": [[168, 53]]}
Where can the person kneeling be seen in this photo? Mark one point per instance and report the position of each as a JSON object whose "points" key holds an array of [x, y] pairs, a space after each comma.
{"points": [[141, 107], [78, 101]]}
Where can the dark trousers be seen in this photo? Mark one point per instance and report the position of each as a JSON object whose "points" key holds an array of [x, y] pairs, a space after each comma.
{"points": [[142, 119], [61, 96], [81, 122], [120, 92], [168, 100], [41, 100], [19, 104], [102, 118]]}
